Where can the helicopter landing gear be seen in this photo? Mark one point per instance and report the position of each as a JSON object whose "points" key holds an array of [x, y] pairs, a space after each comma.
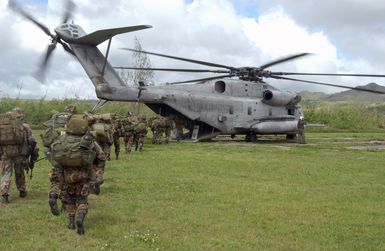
{"points": [[291, 136], [251, 137]]}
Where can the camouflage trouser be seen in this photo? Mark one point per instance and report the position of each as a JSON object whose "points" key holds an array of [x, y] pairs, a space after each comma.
{"points": [[157, 136], [75, 197], [7, 166], [99, 172], [54, 178], [139, 140], [128, 141], [301, 136], [167, 132], [106, 147], [178, 133], [116, 143]]}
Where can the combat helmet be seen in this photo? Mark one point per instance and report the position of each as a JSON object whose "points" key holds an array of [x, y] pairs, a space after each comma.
{"points": [[19, 112], [77, 125], [71, 108]]}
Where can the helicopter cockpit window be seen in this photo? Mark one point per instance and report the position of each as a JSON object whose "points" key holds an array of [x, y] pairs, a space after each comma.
{"points": [[220, 86], [64, 26]]}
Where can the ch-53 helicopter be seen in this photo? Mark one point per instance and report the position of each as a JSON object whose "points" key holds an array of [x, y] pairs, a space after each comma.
{"points": [[237, 102]]}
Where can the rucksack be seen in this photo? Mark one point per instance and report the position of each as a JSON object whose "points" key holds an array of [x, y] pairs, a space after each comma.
{"points": [[103, 132], [72, 151], [11, 129], [49, 135], [141, 127], [53, 127]]}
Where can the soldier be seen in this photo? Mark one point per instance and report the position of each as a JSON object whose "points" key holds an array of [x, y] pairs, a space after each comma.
{"points": [[179, 125], [168, 125], [118, 131], [74, 154], [103, 128], [129, 131], [140, 133], [71, 108], [16, 145], [54, 127], [157, 128], [301, 130]]}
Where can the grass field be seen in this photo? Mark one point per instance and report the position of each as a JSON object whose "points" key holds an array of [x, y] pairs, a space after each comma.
{"points": [[220, 195]]}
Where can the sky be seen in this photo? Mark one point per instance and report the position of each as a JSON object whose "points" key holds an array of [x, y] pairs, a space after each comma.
{"points": [[345, 36]]}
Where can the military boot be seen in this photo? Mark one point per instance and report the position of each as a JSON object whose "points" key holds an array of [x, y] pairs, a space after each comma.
{"points": [[23, 193], [5, 199], [53, 205], [80, 222], [71, 223]]}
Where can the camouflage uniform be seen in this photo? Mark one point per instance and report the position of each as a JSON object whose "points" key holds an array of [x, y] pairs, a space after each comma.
{"points": [[118, 132], [129, 132], [301, 131], [140, 133], [157, 128], [17, 162], [57, 121], [77, 180], [179, 125], [169, 125]]}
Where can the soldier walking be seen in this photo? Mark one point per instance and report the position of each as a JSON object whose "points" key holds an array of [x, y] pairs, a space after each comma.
{"points": [[53, 128], [17, 144], [74, 154], [301, 130]]}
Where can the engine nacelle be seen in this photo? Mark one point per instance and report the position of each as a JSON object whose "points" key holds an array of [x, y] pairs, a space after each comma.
{"points": [[278, 98]]}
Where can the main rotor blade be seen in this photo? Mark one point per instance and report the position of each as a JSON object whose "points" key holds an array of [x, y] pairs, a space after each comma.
{"points": [[15, 7], [40, 75], [328, 84], [327, 74], [183, 59], [200, 80], [68, 12], [171, 69], [282, 60]]}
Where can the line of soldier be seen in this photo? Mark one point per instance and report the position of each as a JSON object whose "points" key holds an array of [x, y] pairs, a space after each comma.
{"points": [[77, 147]]}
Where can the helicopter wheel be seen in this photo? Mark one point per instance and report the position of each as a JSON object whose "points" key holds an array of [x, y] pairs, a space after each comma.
{"points": [[291, 136], [251, 137]]}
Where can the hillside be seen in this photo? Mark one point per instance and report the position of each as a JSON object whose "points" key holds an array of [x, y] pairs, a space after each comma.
{"points": [[348, 95]]}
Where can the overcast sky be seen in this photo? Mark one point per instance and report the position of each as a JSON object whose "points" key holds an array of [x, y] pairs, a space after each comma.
{"points": [[347, 36]]}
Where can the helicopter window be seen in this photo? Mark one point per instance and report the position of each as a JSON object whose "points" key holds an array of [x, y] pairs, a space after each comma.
{"points": [[231, 109], [290, 111], [220, 86], [249, 111], [75, 36], [64, 26], [73, 26]]}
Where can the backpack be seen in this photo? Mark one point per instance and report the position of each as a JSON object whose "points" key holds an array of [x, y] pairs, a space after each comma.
{"points": [[11, 129], [103, 132], [70, 151], [53, 125], [141, 127], [49, 135]]}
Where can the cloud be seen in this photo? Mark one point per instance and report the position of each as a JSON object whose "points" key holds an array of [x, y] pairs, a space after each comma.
{"points": [[250, 33]]}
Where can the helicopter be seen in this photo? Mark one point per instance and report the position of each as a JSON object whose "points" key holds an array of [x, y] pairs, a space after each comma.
{"points": [[238, 101]]}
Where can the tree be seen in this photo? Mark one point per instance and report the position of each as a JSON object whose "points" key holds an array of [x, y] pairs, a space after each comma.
{"points": [[141, 60]]}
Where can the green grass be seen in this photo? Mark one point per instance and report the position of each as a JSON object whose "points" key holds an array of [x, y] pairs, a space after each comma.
{"points": [[220, 195]]}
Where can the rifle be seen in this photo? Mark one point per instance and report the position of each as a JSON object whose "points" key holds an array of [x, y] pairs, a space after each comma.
{"points": [[33, 155]]}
